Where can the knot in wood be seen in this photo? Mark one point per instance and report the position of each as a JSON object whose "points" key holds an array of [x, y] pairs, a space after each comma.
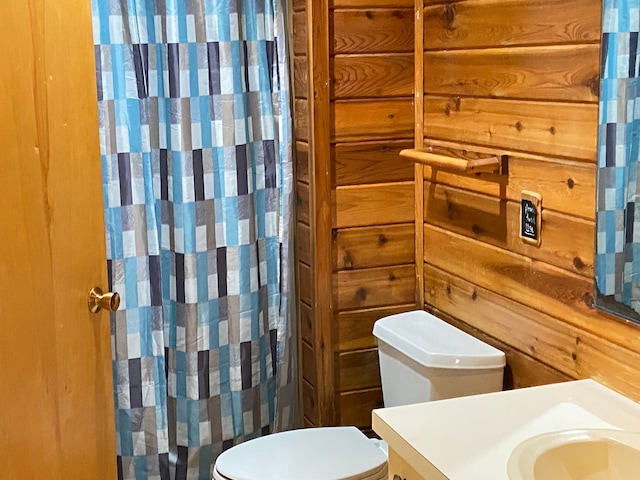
{"points": [[448, 14], [578, 263]]}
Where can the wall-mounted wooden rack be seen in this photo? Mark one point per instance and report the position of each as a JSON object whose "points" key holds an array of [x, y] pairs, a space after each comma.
{"points": [[455, 164]]}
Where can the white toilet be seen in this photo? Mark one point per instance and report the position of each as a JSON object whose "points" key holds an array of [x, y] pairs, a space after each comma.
{"points": [[422, 358]]}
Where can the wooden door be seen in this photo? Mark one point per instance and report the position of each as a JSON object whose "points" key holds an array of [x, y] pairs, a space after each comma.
{"points": [[56, 394]]}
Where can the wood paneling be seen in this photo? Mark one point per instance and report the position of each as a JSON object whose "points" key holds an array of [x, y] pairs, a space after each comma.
{"points": [[308, 363], [359, 120], [371, 162], [521, 370], [358, 370], [306, 323], [320, 119], [373, 31], [303, 206], [309, 403], [300, 33], [377, 246], [376, 204], [497, 222], [565, 186], [487, 23], [539, 286], [374, 287], [370, 4], [573, 350], [303, 243], [355, 327], [355, 407], [567, 72], [305, 283], [554, 129], [300, 77], [302, 162], [361, 76], [357, 75], [301, 114]]}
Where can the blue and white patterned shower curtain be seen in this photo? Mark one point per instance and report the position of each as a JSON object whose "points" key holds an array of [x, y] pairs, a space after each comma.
{"points": [[618, 221], [195, 128]]}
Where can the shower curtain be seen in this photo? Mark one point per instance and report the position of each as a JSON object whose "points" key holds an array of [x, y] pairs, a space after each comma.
{"points": [[195, 128], [618, 211]]}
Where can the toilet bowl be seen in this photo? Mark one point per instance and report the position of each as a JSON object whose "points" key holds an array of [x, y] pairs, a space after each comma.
{"points": [[422, 358]]}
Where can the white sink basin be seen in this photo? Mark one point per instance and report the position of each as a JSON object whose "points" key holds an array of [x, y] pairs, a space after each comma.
{"points": [[585, 454]]}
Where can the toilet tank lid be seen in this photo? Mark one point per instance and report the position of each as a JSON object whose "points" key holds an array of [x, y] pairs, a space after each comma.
{"points": [[432, 342]]}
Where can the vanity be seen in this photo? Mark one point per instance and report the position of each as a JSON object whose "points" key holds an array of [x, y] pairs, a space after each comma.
{"points": [[472, 438]]}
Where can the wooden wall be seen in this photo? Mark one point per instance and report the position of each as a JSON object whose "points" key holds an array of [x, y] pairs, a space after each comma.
{"points": [[513, 78], [519, 78], [354, 85]]}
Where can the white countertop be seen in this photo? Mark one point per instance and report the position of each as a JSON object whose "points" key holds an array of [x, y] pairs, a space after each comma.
{"points": [[471, 438]]}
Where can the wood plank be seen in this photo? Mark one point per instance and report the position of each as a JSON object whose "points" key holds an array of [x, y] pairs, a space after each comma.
{"points": [[308, 358], [320, 122], [372, 30], [566, 186], [302, 162], [542, 287], [570, 349], [378, 204], [299, 33], [305, 283], [374, 287], [299, 5], [358, 370], [418, 168], [361, 120], [521, 370], [472, 23], [362, 76], [371, 162], [354, 328], [301, 119], [371, 3], [303, 203], [303, 243], [300, 77], [377, 246], [565, 72], [309, 409], [306, 323], [355, 407], [497, 222], [544, 128]]}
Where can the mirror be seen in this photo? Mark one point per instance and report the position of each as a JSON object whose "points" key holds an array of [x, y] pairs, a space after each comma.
{"points": [[617, 259]]}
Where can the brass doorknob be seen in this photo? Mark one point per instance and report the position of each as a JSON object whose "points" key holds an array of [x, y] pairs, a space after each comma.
{"points": [[99, 300]]}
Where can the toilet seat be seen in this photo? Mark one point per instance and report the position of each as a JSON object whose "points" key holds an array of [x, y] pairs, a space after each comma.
{"points": [[328, 453]]}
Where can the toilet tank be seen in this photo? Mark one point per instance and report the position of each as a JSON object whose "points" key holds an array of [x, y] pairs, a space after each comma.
{"points": [[423, 358]]}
